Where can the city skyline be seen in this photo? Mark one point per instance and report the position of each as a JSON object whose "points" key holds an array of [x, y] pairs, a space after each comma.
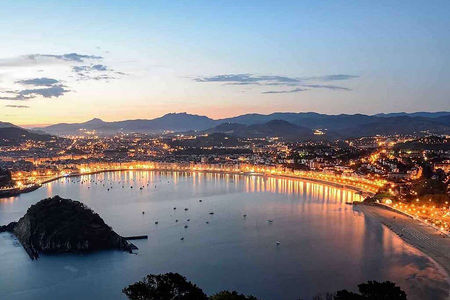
{"points": [[120, 60]]}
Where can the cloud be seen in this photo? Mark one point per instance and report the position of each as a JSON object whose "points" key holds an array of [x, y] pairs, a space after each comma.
{"points": [[247, 78], [300, 83], [242, 83], [95, 77], [16, 97], [97, 67], [39, 81], [85, 67], [17, 106], [54, 91], [285, 92], [95, 72], [309, 86], [50, 92], [331, 77], [44, 59], [243, 79], [80, 68], [326, 86], [74, 57]]}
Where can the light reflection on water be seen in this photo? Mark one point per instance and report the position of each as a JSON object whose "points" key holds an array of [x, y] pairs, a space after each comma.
{"points": [[325, 244]]}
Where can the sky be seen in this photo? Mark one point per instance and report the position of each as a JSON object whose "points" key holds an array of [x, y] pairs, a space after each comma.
{"points": [[71, 61]]}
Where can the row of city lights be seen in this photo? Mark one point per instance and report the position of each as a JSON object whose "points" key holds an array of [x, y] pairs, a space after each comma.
{"points": [[437, 217]]}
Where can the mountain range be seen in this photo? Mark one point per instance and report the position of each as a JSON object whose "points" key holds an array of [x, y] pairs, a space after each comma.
{"points": [[167, 123], [290, 125]]}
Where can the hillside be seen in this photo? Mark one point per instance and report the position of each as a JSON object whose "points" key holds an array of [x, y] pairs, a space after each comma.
{"points": [[397, 125], [343, 125], [10, 136], [274, 128]]}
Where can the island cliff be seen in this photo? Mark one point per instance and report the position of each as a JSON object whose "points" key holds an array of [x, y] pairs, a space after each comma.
{"points": [[57, 225]]}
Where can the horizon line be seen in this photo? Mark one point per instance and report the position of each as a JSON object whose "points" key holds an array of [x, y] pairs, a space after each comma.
{"points": [[30, 126]]}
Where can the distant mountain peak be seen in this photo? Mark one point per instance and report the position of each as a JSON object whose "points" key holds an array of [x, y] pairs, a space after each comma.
{"points": [[95, 121], [182, 114]]}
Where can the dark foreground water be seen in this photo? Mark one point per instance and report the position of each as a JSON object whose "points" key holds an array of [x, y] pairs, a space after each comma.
{"points": [[325, 244]]}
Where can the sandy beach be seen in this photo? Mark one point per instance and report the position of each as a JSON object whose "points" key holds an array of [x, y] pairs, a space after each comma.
{"points": [[415, 233]]}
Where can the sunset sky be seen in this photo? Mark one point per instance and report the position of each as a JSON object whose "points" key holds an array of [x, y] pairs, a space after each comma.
{"points": [[70, 61]]}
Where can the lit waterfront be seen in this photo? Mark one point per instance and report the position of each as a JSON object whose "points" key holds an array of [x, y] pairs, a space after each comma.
{"points": [[438, 217], [361, 183], [424, 212], [325, 244]]}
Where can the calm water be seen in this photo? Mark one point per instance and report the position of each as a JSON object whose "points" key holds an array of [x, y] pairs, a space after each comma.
{"points": [[325, 244]]}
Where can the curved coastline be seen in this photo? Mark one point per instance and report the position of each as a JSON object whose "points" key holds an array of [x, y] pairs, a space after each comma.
{"points": [[415, 233], [425, 238], [331, 183]]}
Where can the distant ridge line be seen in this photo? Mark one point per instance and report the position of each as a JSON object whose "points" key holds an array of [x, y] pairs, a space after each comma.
{"points": [[293, 124]]}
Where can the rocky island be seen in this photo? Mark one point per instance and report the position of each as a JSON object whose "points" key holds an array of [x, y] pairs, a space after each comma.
{"points": [[57, 225]]}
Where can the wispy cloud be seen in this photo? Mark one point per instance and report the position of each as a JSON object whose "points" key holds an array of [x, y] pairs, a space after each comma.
{"points": [[81, 66], [297, 90], [39, 81], [332, 77], [326, 86], [50, 92], [95, 72], [44, 59], [54, 91], [47, 88], [17, 106], [97, 67], [242, 79], [300, 83], [71, 57], [309, 86]]}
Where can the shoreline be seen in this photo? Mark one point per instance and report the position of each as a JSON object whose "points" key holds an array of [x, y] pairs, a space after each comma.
{"points": [[15, 192], [426, 239]]}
